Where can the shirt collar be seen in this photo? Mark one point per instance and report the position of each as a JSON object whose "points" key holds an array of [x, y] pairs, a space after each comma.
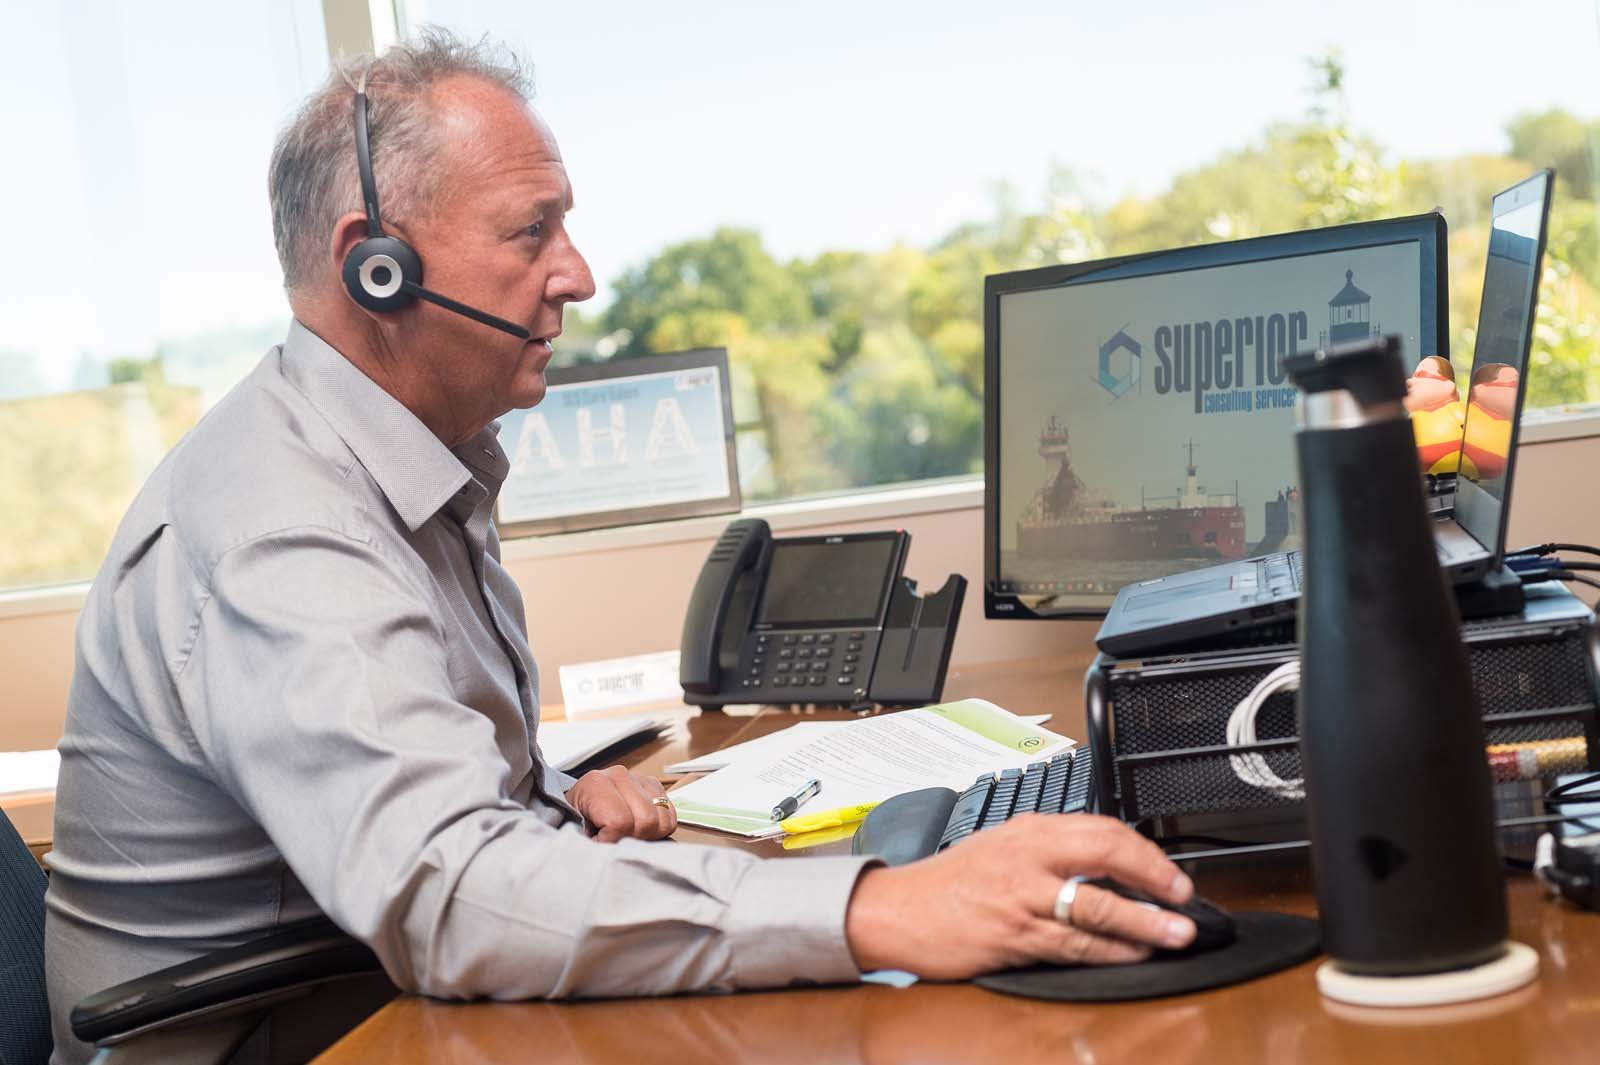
{"points": [[412, 467]]}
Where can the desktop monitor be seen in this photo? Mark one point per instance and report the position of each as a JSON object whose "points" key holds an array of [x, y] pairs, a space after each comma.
{"points": [[1137, 418]]}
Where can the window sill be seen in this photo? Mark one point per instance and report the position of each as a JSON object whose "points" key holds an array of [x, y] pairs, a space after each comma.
{"points": [[889, 503], [1560, 423], [1542, 426], [48, 599], [896, 501]]}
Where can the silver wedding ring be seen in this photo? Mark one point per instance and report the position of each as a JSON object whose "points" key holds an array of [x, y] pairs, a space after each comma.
{"points": [[660, 800], [1065, 897]]}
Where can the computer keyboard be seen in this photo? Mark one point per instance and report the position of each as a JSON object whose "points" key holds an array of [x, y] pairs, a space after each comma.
{"points": [[920, 823], [1059, 786]]}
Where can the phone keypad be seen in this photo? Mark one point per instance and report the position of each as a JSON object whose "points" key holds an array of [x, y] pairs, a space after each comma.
{"points": [[791, 666]]}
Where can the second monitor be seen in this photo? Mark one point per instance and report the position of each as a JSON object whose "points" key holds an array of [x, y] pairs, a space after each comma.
{"points": [[1137, 418]]}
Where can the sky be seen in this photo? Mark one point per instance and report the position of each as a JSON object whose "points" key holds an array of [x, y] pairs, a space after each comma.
{"points": [[139, 211]]}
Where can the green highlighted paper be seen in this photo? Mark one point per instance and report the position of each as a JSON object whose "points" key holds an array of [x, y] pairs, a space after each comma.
{"points": [[865, 761], [1001, 726]]}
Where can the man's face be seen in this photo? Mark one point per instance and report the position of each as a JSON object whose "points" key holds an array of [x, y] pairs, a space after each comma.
{"points": [[496, 239]]}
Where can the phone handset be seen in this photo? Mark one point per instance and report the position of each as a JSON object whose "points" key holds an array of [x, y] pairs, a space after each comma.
{"points": [[742, 545]]}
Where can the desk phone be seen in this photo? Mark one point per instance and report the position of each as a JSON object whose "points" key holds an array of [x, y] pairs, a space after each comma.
{"points": [[814, 619]]}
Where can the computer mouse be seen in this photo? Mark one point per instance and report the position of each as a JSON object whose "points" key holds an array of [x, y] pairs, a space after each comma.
{"points": [[1213, 926]]}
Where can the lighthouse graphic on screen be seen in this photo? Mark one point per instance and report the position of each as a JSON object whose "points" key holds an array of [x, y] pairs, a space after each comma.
{"points": [[1349, 314]]}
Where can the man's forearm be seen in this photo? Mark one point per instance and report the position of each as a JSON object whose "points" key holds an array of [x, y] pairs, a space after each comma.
{"points": [[542, 913]]}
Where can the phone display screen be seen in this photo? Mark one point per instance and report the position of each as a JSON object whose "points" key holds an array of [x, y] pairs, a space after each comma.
{"points": [[827, 581]]}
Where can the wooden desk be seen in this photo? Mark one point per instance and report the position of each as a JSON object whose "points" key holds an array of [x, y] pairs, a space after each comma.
{"points": [[1277, 1019]]}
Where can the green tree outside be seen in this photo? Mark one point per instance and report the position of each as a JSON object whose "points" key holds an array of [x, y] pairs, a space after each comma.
{"points": [[868, 366], [860, 367]]}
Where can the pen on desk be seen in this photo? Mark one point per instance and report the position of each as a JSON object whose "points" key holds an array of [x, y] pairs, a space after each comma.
{"points": [[787, 806], [844, 815]]}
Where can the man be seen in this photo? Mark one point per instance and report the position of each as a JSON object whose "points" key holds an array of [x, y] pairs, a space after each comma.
{"points": [[304, 684]]}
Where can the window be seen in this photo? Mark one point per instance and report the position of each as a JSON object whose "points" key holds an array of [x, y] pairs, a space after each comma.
{"points": [[821, 188], [141, 281]]}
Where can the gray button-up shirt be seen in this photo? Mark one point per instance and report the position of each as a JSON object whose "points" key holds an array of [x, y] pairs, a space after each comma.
{"points": [[304, 685]]}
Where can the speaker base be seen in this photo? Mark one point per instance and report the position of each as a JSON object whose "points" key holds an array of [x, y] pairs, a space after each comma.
{"points": [[1519, 965]]}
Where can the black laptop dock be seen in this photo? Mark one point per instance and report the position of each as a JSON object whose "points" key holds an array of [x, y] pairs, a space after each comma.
{"points": [[1158, 725]]}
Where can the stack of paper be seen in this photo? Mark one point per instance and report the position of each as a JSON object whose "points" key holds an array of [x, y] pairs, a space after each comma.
{"points": [[763, 749], [867, 761], [774, 745], [28, 771], [568, 744]]}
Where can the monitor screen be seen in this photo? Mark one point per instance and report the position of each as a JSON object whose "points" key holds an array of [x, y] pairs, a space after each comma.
{"points": [[1500, 357], [827, 580], [1138, 418]]}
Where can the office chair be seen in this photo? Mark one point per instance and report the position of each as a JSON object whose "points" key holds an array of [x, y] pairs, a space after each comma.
{"points": [[310, 979], [24, 1013]]}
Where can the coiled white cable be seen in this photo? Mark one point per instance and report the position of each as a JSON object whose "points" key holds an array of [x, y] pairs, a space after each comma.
{"points": [[1252, 768]]}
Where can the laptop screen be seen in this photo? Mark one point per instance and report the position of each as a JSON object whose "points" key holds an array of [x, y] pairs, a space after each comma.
{"points": [[1500, 359]]}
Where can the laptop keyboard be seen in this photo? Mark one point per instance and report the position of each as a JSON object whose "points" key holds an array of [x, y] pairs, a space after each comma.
{"points": [[1281, 573], [1060, 786]]}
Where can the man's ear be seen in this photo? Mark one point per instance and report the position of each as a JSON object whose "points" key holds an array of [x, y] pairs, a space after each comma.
{"points": [[348, 231]]}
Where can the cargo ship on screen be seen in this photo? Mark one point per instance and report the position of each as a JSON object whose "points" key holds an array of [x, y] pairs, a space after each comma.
{"points": [[1065, 519]]}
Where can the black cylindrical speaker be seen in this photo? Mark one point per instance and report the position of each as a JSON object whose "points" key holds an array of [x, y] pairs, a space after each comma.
{"points": [[1407, 871]]}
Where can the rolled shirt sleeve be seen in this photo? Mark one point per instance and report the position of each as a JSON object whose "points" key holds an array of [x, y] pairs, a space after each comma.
{"points": [[320, 691]]}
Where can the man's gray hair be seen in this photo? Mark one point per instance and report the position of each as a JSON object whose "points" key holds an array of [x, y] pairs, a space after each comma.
{"points": [[312, 179]]}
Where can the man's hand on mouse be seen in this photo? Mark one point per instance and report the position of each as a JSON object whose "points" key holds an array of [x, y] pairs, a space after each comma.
{"points": [[988, 902]]}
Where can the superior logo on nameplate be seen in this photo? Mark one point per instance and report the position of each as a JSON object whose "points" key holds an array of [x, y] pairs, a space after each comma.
{"points": [[620, 683]]}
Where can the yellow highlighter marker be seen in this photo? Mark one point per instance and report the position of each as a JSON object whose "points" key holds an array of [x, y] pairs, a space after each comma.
{"points": [[826, 818], [803, 840]]}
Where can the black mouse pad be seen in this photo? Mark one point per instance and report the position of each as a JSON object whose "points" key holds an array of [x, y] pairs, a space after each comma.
{"points": [[1264, 943]]}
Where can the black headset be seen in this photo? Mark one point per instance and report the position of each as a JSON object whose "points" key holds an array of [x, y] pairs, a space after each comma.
{"points": [[383, 273]]}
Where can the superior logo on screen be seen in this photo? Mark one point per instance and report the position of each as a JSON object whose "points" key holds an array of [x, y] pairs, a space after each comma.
{"points": [[1230, 365]]}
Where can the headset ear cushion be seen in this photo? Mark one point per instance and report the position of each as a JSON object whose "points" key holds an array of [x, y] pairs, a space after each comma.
{"points": [[374, 270]]}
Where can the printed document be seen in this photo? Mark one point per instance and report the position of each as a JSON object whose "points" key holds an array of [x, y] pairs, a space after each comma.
{"points": [[768, 747], [948, 745]]}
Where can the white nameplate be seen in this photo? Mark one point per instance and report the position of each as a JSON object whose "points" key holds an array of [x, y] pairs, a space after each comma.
{"points": [[619, 683]]}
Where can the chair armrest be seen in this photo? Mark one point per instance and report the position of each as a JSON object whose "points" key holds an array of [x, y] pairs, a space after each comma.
{"points": [[299, 956]]}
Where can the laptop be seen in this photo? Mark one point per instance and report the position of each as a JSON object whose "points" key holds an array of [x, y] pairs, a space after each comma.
{"points": [[1155, 615]]}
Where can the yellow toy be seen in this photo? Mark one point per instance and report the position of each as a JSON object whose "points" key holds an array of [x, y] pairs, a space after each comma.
{"points": [[1437, 414], [1492, 399]]}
